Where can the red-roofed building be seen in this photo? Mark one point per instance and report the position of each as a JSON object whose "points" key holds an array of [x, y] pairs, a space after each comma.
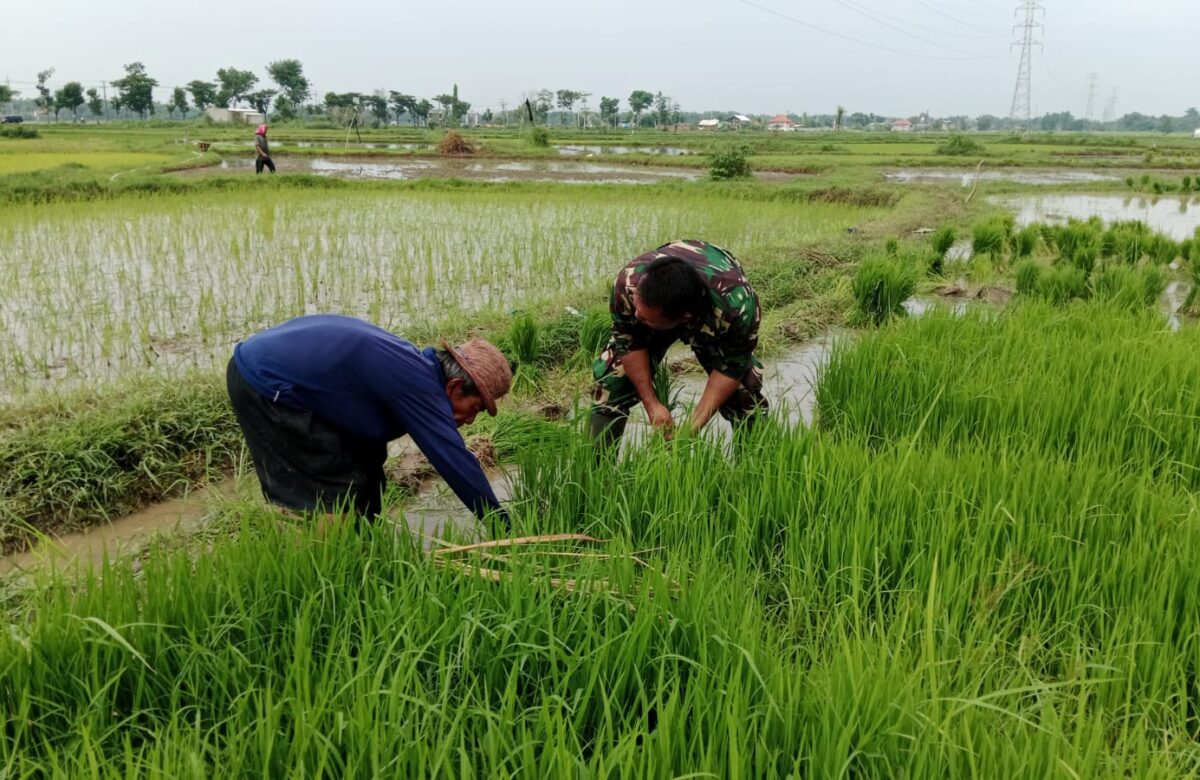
{"points": [[781, 122], [902, 126]]}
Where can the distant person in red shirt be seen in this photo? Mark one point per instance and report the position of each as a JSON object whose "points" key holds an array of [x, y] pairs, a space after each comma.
{"points": [[262, 151]]}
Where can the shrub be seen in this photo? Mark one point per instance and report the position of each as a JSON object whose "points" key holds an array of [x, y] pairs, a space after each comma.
{"points": [[1028, 274], [959, 145], [729, 161], [943, 239], [881, 286], [539, 136]]}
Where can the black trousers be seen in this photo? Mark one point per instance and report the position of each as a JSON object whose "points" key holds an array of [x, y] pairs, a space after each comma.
{"points": [[303, 461], [259, 162]]}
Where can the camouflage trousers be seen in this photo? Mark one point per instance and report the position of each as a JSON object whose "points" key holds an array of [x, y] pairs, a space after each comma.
{"points": [[614, 394]]}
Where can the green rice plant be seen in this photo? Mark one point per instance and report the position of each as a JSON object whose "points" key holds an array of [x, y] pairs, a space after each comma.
{"points": [[1126, 241], [1154, 282], [891, 247], [524, 337], [1063, 283], [881, 286], [1076, 235], [1186, 247], [1120, 285], [936, 264], [988, 239], [1161, 249], [1025, 241], [1028, 274], [1011, 383], [19, 131], [943, 238], [1084, 257]]}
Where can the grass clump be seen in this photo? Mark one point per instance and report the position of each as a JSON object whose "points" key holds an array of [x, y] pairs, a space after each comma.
{"points": [[881, 286], [1063, 283], [729, 161], [524, 339], [453, 143], [988, 238], [539, 137]]}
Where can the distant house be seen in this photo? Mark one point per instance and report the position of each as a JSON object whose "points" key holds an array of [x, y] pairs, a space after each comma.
{"points": [[710, 124], [902, 126], [781, 122], [244, 116], [739, 120]]}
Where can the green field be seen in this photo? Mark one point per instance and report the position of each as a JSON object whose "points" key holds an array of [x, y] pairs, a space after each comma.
{"points": [[981, 560]]}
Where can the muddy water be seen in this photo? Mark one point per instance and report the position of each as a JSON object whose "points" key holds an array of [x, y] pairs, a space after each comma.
{"points": [[88, 548], [1176, 217], [403, 169], [967, 177]]}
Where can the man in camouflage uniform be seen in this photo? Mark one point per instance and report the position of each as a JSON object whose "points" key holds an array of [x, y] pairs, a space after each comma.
{"points": [[689, 291]]}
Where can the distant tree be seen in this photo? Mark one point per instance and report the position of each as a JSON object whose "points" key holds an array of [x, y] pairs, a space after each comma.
{"points": [[178, 103], [639, 101], [293, 86], [1166, 124], [608, 110], [136, 90], [543, 105], [662, 108], [204, 93], [379, 106], [487, 115], [837, 122], [446, 101], [260, 101], [235, 85], [986, 122], [421, 111], [7, 94], [45, 100], [566, 101], [343, 106], [94, 103], [69, 97], [403, 104]]}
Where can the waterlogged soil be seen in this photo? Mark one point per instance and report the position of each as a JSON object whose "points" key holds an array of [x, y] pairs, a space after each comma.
{"points": [[967, 177], [491, 170], [1177, 217]]}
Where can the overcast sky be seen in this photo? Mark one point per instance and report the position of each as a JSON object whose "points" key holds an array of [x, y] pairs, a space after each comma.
{"points": [[906, 56]]}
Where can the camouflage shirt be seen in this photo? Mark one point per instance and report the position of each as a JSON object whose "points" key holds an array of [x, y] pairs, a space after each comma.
{"points": [[726, 335]]}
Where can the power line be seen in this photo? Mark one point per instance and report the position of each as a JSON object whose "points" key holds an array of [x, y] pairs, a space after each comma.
{"points": [[1021, 102], [851, 6], [950, 17], [922, 27], [834, 34]]}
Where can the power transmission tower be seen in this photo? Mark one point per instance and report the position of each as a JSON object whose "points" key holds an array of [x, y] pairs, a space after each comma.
{"points": [[1093, 82], [1021, 104], [1110, 109]]}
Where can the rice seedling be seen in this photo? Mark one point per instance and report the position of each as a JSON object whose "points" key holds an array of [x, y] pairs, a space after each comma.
{"points": [[943, 238], [987, 238], [1063, 284], [524, 339], [1025, 241], [1028, 276], [881, 286]]}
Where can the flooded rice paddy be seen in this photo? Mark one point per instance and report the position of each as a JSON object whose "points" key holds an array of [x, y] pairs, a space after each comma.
{"points": [[967, 177], [573, 150], [490, 170], [172, 283], [1176, 217]]}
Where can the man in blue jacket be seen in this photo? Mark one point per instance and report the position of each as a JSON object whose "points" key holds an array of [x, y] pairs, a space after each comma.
{"points": [[319, 397]]}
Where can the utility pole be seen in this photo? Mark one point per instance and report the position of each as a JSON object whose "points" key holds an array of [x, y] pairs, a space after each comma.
{"points": [[1093, 81], [104, 108], [1110, 109], [1021, 104]]}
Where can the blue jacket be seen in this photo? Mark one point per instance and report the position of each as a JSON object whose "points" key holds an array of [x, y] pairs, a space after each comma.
{"points": [[370, 382]]}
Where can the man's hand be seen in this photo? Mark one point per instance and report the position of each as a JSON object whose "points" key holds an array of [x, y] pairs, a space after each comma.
{"points": [[660, 417]]}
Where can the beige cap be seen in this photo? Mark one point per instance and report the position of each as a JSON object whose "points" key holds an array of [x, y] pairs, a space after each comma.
{"points": [[487, 367]]}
